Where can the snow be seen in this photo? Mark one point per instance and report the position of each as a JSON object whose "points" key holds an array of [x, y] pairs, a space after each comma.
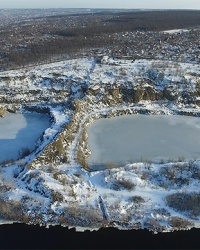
{"points": [[175, 31], [126, 195]]}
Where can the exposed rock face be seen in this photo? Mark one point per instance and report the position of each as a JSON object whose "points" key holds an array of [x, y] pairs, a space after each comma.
{"points": [[105, 93], [2, 112], [56, 152]]}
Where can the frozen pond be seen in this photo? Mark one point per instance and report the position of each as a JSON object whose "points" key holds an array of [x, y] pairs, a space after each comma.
{"points": [[19, 132], [134, 138]]}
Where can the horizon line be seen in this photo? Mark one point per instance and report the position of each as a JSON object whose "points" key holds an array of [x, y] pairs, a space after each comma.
{"points": [[93, 8]]}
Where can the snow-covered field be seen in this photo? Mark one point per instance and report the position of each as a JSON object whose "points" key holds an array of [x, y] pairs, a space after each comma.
{"points": [[175, 31], [48, 188]]}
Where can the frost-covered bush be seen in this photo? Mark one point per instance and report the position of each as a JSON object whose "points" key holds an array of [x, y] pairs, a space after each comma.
{"points": [[122, 183], [186, 202], [56, 196], [137, 199], [126, 184], [110, 165], [145, 175], [78, 216], [12, 210], [24, 151], [153, 224], [4, 189], [152, 74], [180, 223]]}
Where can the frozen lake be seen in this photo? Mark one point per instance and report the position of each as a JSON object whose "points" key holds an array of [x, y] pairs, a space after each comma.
{"points": [[134, 138], [19, 132]]}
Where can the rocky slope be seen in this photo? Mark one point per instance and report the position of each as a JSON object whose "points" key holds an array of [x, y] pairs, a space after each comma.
{"points": [[53, 185]]}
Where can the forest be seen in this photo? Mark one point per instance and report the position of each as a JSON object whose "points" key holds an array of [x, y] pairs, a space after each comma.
{"points": [[28, 39]]}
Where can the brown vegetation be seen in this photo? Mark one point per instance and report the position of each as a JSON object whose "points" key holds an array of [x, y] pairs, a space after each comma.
{"points": [[185, 202], [12, 210], [55, 37], [180, 223]]}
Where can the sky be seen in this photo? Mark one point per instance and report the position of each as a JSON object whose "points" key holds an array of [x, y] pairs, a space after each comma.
{"points": [[133, 4]]}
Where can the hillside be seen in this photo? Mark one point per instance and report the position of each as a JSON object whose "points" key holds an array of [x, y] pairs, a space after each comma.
{"points": [[52, 185], [118, 65]]}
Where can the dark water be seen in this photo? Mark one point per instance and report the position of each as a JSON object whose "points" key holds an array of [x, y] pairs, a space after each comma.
{"points": [[20, 236]]}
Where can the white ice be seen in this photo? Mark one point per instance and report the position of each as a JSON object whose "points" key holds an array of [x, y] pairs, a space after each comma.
{"points": [[19, 131], [142, 137]]}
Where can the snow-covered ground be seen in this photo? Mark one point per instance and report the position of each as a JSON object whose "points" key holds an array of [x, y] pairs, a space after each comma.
{"points": [[46, 188], [175, 31]]}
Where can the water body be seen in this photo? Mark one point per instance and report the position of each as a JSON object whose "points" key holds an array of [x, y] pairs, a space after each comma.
{"points": [[19, 132], [138, 137]]}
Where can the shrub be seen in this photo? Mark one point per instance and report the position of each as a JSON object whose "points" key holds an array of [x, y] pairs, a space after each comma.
{"points": [[59, 146], [181, 158], [123, 184], [195, 169], [180, 223], [78, 216], [56, 196], [62, 220], [186, 202], [153, 224], [145, 175], [12, 210], [110, 165], [24, 152], [17, 171], [4, 189], [126, 184], [169, 173], [137, 199], [147, 164]]}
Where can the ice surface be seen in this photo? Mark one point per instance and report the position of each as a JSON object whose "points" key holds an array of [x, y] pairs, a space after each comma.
{"points": [[142, 137], [19, 131]]}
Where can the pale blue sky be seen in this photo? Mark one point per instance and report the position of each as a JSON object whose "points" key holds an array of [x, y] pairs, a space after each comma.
{"points": [[148, 4]]}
